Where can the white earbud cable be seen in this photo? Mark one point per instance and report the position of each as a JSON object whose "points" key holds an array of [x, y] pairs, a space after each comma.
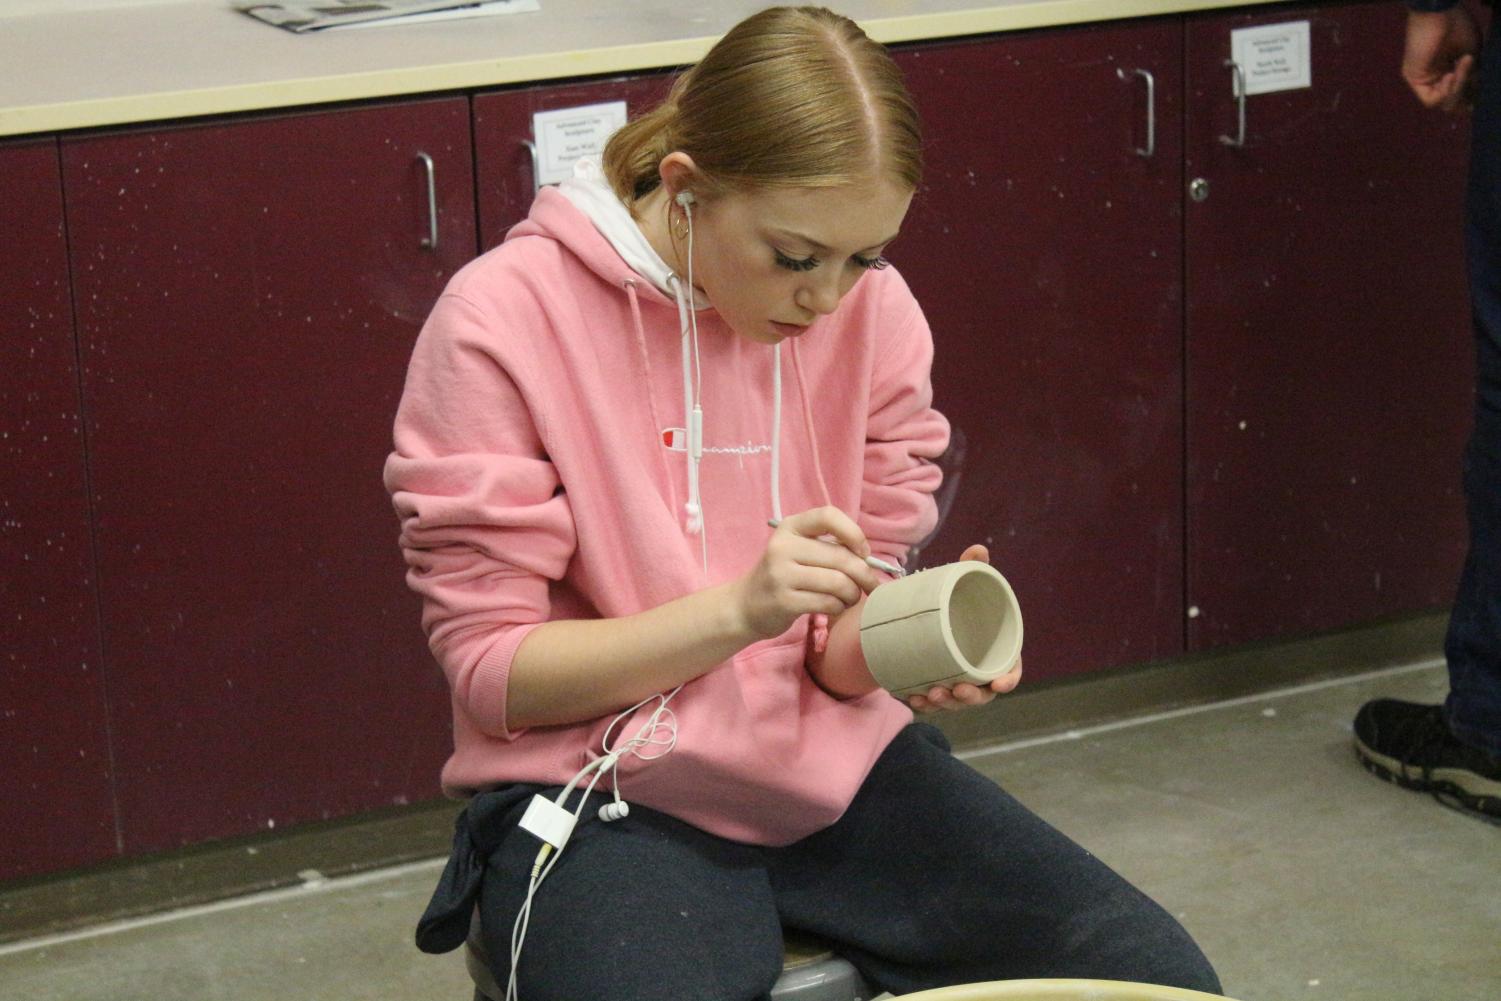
{"points": [[662, 717], [693, 382]]}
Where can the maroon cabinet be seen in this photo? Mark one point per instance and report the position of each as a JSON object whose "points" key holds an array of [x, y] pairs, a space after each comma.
{"points": [[1241, 415], [1081, 500], [248, 297], [55, 779], [1045, 251], [1329, 355], [504, 172], [1189, 423], [1045, 247]]}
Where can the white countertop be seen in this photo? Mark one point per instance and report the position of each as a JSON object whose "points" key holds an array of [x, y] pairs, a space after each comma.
{"points": [[92, 63]]}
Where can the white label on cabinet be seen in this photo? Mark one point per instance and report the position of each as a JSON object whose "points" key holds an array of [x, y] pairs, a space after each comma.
{"points": [[1273, 56], [566, 134]]}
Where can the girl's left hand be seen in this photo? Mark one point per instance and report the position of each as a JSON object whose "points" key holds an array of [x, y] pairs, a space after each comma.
{"points": [[964, 694]]}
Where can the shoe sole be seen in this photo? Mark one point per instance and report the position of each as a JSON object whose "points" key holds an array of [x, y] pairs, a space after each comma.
{"points": [[1471, 793]]}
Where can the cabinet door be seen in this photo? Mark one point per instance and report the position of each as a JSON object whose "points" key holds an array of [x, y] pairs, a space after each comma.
{"points": [[55, 780], [1329, 355], [503, 127], [1045, 251], [248, 297]]}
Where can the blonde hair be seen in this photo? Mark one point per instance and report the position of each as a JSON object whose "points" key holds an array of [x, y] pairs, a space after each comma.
{"points": [[789, 97]]}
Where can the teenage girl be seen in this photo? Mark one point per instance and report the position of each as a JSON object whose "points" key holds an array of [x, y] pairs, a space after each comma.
{"points": [[603, 418]]}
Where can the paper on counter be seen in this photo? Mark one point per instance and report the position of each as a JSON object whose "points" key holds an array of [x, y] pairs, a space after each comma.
{"points": [[328, 14]]}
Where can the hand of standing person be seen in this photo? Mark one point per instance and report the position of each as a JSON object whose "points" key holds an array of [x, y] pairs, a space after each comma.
{"points": [[1439, 60]]}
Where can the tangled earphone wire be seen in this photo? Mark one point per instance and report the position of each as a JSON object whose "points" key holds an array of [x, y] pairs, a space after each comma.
{"points": [[553, 821]]}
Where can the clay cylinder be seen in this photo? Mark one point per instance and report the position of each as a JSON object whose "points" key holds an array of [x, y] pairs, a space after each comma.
{"points": [[952, 623]]}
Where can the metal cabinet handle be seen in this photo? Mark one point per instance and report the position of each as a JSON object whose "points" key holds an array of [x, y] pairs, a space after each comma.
{"points": [[431, 240], [1239, 78], [531, 148], [1151, 147]]}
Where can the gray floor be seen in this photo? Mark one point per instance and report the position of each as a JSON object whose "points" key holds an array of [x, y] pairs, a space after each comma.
{"points": [[1302, 876]]}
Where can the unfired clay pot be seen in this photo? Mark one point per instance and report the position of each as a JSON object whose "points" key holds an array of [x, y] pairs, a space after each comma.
{"points": [[952, 623]]}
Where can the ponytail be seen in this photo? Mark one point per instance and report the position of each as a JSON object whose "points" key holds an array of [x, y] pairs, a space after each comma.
{"points": [[636, 149]]}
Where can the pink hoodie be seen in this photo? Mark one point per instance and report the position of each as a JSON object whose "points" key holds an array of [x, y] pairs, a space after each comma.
{"points": [[537, 477]]}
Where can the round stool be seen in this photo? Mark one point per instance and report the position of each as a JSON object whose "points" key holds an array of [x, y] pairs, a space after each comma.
{"points": [[810, 971]]}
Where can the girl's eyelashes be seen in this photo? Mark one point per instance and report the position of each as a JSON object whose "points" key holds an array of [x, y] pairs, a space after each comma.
{"points": [[793, 263], [809, 263]]}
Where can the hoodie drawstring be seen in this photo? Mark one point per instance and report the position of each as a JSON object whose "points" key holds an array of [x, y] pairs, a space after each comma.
{"points": [[693, 413], [802, 392], [651, 401], [776, 434]]}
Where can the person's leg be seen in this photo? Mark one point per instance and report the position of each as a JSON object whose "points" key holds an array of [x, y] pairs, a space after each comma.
{"points": [[641, 909], [934, 876], [1454, 750], [1473, 646]]}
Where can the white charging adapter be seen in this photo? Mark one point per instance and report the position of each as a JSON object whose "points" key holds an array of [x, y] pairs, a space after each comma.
{"points": [[548, 821]]}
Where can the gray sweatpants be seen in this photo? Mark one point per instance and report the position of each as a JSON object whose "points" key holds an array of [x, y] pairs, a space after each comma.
{"points": [[934, 876]]}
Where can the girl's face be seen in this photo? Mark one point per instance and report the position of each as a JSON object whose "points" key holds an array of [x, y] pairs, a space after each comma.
{"points": [[773, 261]]}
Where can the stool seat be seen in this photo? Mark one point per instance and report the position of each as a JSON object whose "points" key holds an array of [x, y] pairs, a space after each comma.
{"points": [[801, 950], [810, 971]]}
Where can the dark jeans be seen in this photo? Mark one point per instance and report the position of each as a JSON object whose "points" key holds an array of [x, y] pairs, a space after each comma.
{"points": [[934, 876], [1473, 646]]}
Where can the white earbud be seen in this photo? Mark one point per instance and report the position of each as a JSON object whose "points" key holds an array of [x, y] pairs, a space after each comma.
{"points": [[615, 811], [685, 198]]}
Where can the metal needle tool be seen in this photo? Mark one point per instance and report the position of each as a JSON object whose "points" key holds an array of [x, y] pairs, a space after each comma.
{"points": [[870, 561]]}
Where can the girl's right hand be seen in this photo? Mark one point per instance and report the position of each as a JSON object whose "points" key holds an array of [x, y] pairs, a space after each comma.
{"points": [[801, 573]]}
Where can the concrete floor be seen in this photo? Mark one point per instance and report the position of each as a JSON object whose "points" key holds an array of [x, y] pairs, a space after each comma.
{"points": [[1301, 875]]}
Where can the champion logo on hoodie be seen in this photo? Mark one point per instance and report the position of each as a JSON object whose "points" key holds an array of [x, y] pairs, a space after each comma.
{"points": [[676, 440]]}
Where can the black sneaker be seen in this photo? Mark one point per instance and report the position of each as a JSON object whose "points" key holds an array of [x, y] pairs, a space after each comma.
{"points": [[1411, 745]]}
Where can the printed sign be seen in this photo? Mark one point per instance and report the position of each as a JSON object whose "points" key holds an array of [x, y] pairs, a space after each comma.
{"points": [[1273, 56], [566, 134]]}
